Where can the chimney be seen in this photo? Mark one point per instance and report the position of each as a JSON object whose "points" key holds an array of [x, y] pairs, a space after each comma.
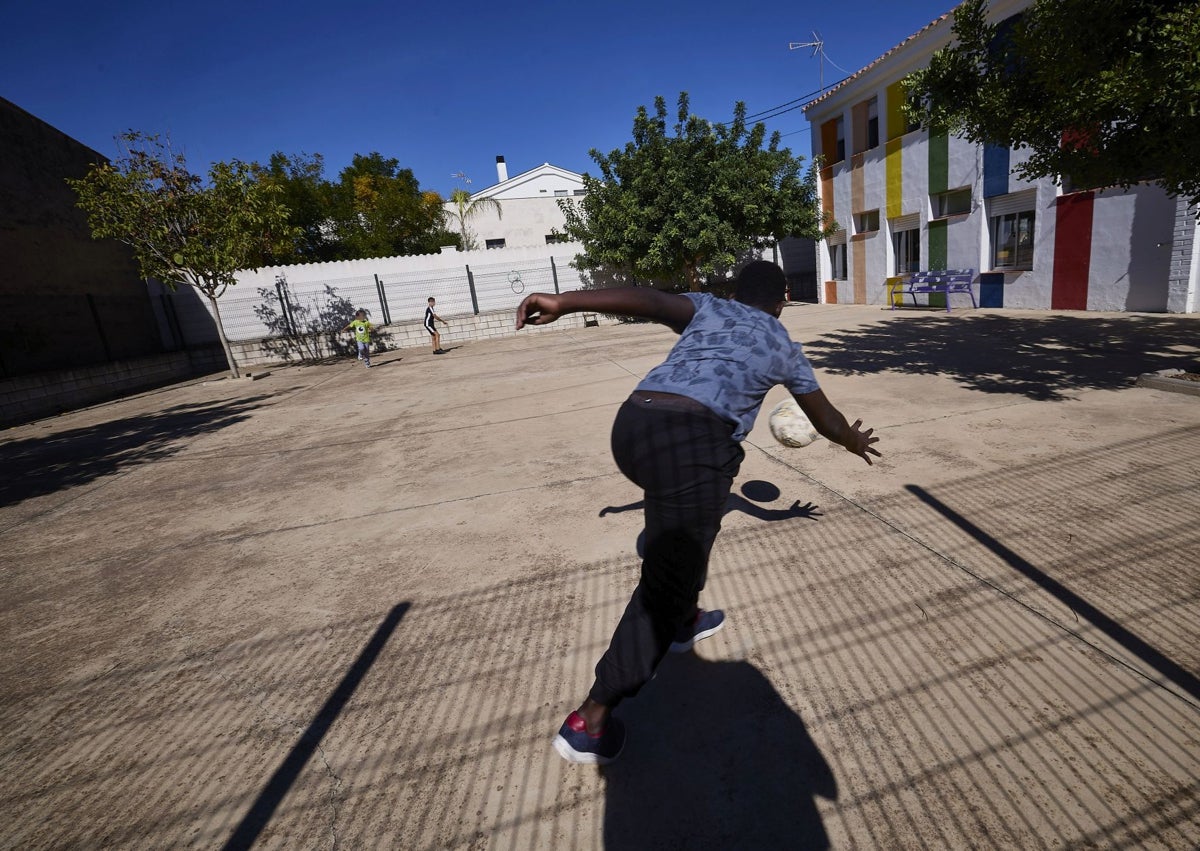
{"points": [[501, 170]]}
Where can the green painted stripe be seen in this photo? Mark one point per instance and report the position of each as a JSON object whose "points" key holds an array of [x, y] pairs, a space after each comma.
{"points": [[937, 245], [939, 162]]}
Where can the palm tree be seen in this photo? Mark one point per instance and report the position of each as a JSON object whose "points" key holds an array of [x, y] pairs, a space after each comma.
{"points": [[467, 208]]}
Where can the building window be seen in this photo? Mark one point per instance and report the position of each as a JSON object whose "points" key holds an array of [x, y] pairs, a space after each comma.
{"points": [[580, 192], [560, 193], [873, 123], [907, 245], [555, 238], [494, 243], [840, 145], [837, 261], [866, 222], [956, 202], [1012, 240]]}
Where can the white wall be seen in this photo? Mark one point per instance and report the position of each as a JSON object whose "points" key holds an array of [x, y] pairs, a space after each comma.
{"points": [[501, 279], [522, 222], [1131, 249]]}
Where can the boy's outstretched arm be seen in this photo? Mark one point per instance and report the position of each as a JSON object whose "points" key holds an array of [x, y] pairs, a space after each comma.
{"points": [[830, 422], [674, 311]]}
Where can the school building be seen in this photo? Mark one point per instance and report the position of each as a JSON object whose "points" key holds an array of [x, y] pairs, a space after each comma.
{"points": [[909, 200]]}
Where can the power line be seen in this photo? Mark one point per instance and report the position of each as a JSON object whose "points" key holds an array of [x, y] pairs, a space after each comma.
{"points": [[787, 106]]}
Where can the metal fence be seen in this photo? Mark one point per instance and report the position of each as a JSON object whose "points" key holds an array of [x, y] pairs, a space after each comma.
{"points": [[298, 308]]}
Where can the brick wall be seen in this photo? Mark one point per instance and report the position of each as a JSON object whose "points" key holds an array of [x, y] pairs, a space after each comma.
{"points": [[44, 394], [409, 335], [1183, 256]]}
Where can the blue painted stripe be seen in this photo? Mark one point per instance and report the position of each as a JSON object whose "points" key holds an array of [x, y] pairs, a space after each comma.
{"points": [[991, 289], [995, 170]]}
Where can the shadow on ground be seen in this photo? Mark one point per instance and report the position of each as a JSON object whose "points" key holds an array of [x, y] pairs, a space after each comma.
{"points": [[41, 465], [714, 759], [1041, 357]]}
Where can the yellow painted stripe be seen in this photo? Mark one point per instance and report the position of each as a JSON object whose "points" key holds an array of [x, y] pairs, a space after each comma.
{"points": [[895, 178], [896, 122]]}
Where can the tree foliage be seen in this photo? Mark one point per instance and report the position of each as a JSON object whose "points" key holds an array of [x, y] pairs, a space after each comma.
{"points": [[377, 209], [1107, 93], [183, 230], [306, 194], [670, 208], [465, 210]]}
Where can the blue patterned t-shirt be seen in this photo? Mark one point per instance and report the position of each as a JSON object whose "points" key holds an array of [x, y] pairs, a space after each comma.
{"points": [[728, 357]]}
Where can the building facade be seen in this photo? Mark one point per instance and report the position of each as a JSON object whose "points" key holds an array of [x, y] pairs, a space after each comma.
{"points": [[529, 215], [909, 200]]}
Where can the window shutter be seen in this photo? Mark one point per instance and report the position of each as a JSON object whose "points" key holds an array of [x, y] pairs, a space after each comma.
{"points": [[1017, 202]]}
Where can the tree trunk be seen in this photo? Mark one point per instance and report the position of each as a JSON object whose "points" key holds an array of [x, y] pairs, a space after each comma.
{"points": [[233, 367], [693, 278]]}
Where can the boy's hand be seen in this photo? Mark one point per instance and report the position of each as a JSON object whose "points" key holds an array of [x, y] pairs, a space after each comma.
{"points": [[830, 423], [538, 309], [859, 442]]}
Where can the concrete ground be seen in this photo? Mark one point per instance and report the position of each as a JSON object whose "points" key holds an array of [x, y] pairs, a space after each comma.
{"points": [[348, 608]]}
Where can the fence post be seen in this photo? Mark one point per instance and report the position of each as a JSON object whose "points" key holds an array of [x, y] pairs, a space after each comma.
{"points": [[99, 327], [471, 284], [168, 305], [285, 307], [554, 272], [383, 305]]}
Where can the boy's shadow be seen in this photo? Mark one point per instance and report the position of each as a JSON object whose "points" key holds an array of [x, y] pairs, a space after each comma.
{"points": [[755, 491], [714, 759]]}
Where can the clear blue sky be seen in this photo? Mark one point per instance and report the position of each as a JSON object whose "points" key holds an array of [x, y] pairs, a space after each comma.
{"points": [[442, 87]]}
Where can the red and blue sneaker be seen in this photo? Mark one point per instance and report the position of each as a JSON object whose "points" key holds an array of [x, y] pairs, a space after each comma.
{"points": [[575, 744], [705, 624]]}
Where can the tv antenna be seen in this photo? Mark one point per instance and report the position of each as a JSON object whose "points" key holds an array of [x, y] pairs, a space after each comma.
{"points": [[818, 49]]}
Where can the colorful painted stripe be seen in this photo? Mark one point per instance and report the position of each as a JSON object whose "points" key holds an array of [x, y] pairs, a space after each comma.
{"points": [[995, 170], [859, 274], [895, 178], [1072, 251], [991, 289], [939, 163]]}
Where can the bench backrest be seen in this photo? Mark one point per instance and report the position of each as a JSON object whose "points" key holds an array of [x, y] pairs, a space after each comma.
{"points": [[944, 276]]}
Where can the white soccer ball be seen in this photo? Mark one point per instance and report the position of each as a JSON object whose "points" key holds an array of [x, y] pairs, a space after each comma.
{"points": [[790, 426]]}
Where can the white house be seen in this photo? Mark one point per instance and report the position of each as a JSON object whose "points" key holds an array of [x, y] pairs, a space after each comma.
{"points": [[529, 214], [910, 200]]}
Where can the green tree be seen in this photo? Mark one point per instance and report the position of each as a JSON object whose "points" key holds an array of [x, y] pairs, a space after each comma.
{"points": [[465, 209], [378, 210], [1107, 93], [306, 194], [181, 229], [672, 208]]}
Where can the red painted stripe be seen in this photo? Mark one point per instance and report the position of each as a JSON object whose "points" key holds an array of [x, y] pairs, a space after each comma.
{"points": [[1072, 251]]}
